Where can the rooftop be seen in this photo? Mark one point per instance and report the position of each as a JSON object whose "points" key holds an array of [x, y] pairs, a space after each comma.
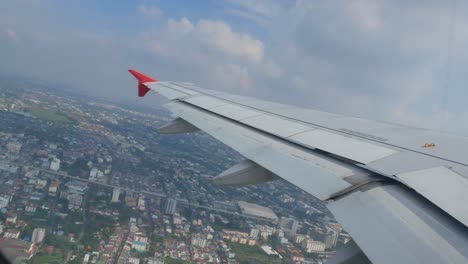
{"points": [[257, 210]]}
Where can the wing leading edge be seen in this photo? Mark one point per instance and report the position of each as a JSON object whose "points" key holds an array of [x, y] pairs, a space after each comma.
{"points": [[371, 180]]}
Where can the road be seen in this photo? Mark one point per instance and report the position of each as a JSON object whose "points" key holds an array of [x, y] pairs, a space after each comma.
{"points": [[160, 195]]}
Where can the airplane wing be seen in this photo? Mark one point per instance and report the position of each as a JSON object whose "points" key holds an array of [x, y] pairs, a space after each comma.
{"points": [[399, 191]]}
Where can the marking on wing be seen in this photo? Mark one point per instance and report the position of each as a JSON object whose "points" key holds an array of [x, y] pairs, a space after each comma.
{"points": [[341, 131], [276, 125], [346, 147]]}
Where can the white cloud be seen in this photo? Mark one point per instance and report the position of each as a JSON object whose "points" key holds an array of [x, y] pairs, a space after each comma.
{"points": [[366, 13], [150, 10], [375, 59], [232, 77], [184, 38], [184, 26], [220, 35]]}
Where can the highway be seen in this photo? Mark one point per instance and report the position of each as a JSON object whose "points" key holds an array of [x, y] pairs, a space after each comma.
{"points": [[160, 195]]}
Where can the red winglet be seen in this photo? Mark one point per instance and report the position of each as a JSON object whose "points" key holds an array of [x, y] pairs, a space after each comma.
{"points": [[142, 79]]}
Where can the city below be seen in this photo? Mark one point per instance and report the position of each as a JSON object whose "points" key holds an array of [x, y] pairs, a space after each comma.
{"points": [[88, 181]]}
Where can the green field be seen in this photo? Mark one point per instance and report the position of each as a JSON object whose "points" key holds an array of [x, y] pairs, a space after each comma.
{"points": [[169, 260], [253, 254], [45, 258], [49, 115]]}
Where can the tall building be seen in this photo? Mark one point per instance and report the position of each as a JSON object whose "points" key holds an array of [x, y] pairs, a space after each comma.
{"points": [[171, 206], [38, 235], [55, 164], [115, 195], [141, 203], [289, 226], [313, 246], [331, 238], [4, 200]]}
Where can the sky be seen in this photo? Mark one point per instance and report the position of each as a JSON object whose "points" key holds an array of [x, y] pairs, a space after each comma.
{"points": [[397, 61]]}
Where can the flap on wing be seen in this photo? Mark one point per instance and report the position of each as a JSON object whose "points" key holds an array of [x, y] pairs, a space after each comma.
{"points": [[245, 173], [342, 146], [177, 126], [393, 219], [316, 174], [442, 186]]}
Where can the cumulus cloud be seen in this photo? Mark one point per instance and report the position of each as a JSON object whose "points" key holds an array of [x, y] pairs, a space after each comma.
{"points": [[210, 37], [376, 59], [211, 52], [234, 76]]}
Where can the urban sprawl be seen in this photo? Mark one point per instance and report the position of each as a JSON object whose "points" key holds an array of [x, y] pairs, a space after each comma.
{"points": [[86, 181]]}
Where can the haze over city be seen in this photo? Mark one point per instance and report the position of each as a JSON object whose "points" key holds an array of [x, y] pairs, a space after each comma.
{"points": [[394, 61]]}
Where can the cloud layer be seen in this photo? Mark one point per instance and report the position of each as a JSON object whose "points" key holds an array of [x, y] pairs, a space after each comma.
{"points": [[389, 60]]}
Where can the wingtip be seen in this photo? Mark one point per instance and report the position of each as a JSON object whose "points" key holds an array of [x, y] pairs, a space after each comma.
{"points": [[141, 77]]}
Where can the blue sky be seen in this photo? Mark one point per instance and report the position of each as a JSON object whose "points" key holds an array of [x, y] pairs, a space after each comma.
{"points": [[390, 60]]}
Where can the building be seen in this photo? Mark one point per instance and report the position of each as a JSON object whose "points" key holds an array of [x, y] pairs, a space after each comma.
{"points": [[198, 241], [331, 239], [12, 233], [93, 173], [4, 200], [74, 200], [335, 226], [270, 251], [311, 245], [77, 187], [177, 220], [55, 164], [14, 147], [133, 260], [12, 218], [170, 206], [38, 235], [139, 246], [289, 226], [141, 237], [254, 232], [40, 184], [30, 208], [299, 238], [141, 203], [115, 195], [53, 188], [45, 163], [256, 210]]}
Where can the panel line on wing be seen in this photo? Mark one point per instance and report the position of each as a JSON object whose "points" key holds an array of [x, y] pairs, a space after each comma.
{"points": [[341, 131]]}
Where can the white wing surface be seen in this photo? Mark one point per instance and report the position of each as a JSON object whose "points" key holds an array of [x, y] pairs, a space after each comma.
{"points": [[399, 191]]}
